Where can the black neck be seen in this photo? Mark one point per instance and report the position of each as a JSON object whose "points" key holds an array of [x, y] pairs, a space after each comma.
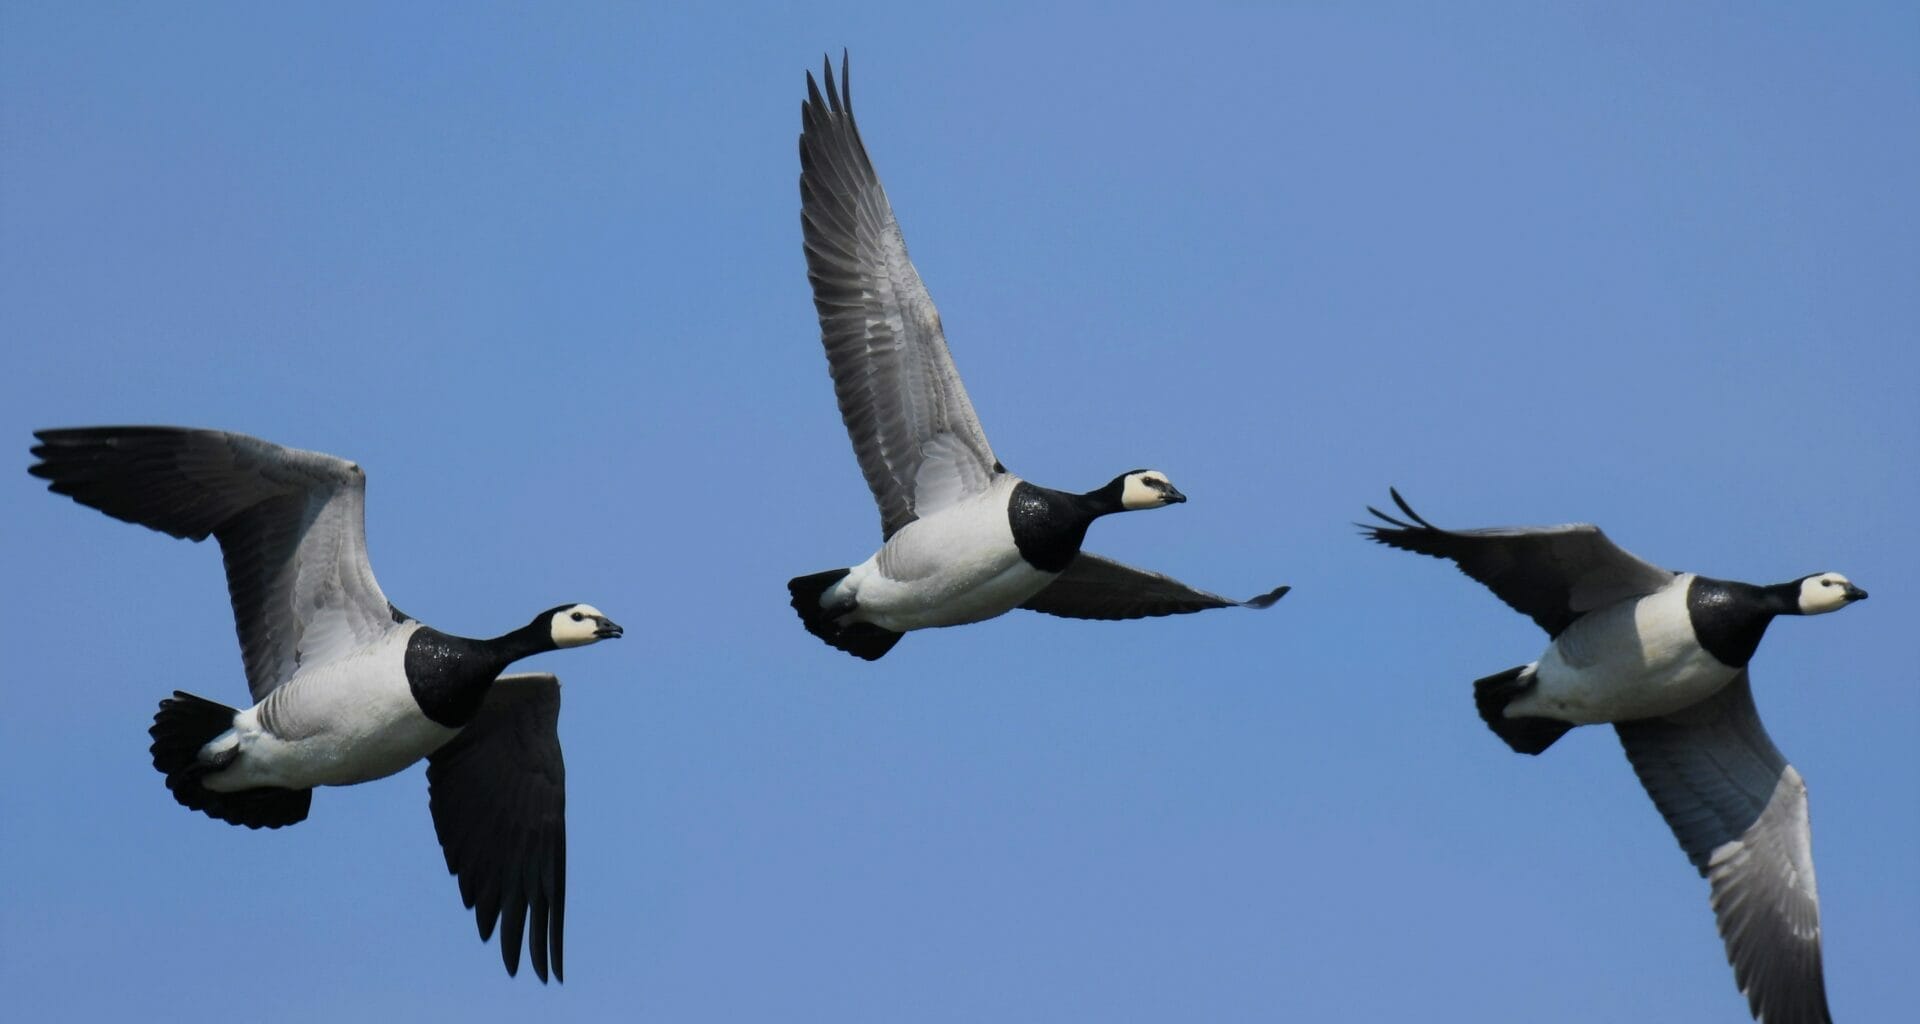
{"points": [[533, 638], [449, 675], [1730, 617], [1049, 526]]}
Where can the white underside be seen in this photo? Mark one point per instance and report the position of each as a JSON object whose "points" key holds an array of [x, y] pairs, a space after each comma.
{"points": [[1635, 659], [348, 721], [959, 565]]}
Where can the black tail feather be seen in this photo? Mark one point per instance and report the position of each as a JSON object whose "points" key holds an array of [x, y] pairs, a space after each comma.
{"points": [[1526, 735], [860, 639], [186, 723]]}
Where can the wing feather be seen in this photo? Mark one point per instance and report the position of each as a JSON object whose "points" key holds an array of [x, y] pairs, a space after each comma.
{"points": [[498, 794], [1551, 574], [291, 526], [1093, 587], [920, 445], [1739, 811]]}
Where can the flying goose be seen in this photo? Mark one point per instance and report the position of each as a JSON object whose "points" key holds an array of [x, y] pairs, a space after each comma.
{"points": [[963, 539], [346, 688], [1663, 656]]}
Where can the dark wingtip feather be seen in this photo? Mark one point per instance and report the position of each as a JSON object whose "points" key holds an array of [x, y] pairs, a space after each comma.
{"points": [[813, 95], [513, 926], [1383, 517], [1393, 537], [846, 83], [1408, 509], [1267, 599], [833, 94], [1371, 531], [557, 913]]}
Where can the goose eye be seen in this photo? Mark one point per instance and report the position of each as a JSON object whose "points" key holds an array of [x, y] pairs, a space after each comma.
{"points": [[1826, 583], [577, 617]]}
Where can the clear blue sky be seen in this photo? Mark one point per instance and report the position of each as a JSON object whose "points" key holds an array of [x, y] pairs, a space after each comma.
{"points": [[539, 271]]}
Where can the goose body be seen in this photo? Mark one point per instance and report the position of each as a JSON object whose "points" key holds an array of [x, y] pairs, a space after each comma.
{"points": [[345, 722], [962, 539], [346, 688], [1633, 659], [1663, 657], [957, 567]]}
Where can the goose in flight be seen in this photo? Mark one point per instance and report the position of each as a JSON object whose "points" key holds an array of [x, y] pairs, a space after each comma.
{"points": [[963, 539], [1663, 657], [345, 687]]}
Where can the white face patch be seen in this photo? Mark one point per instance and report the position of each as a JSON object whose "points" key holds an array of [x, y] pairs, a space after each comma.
{"points": [[1149, 488], [1826, 592], [577, 626]]}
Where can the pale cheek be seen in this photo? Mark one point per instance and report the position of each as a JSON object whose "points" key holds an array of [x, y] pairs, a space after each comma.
{"points": [[1136, 496], [1821, 600]]}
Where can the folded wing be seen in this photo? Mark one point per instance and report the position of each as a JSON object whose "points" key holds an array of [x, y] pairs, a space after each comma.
{"points": [[914, 431], [498, 793], [1740, 812], [1101, 588], [291, 526]]}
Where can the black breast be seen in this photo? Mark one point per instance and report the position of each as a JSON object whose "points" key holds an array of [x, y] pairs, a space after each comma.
{"points": [[1728, 619], [449, 675], [1048, 526]]}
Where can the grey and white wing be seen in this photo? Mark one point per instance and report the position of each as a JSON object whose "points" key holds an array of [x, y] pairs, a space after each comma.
{"points": [[291, 526], [913, 429], [1740, 812], [1551, 574], [498, 793], [1093, 587]]}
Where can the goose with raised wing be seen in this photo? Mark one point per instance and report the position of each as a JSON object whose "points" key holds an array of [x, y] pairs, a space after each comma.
{"points": [[963, 539], [1663, 656], [345, 687]]}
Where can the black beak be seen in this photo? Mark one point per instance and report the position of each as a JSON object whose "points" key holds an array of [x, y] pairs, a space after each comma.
{"points": [[609, 629], [1855, 593], [1173, 495]]}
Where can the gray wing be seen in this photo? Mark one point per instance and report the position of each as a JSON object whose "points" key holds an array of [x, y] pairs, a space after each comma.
{"points": [[498, 792], [1101, 588], [913, 429], [1551, 574], [291, 526], [1740, 811]]}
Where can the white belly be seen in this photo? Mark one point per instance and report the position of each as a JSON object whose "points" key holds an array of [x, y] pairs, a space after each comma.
{"points": [[1636, 659], [349, 721], [958, 566]]}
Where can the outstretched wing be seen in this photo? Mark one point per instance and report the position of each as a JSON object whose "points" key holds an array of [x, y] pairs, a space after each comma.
{"points": [[1101, 588], [913, 429], [1551, 574], [498, 792], [291, 526], [1740, 811]]}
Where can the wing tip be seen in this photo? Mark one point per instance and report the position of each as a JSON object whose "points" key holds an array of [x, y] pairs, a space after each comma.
{"points": [[836, 97], [1268, 599], [1395, 532]]}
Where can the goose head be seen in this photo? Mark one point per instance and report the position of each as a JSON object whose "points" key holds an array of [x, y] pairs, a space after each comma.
{"points": [[1826, 592], [1145, 488], [577, 625]]}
